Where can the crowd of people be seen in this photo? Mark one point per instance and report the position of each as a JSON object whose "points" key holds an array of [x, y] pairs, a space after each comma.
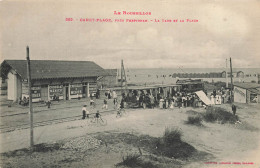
{"points": [[220, 96], [180, 99], [24, 101], [177, 99], [146, 100]]}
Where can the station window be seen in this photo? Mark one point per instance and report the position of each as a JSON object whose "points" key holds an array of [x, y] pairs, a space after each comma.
{"points": [[253, 98]]}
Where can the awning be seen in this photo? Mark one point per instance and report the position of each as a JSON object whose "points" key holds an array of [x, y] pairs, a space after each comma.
{"points": [[203, 97]]}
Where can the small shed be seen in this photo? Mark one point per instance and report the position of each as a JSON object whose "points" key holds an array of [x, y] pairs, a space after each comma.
{"points": [[246, 92]]}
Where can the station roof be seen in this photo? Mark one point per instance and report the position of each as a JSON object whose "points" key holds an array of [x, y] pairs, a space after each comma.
{"points": [[166, 85], [252, 87], [49, 69], [188, 81], [255, 90], [144, 87], [133, 88], [247, 85]]}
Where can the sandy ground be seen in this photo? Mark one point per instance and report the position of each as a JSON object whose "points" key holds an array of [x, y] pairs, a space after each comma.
{"points": [[17, 115], [226, 142]]}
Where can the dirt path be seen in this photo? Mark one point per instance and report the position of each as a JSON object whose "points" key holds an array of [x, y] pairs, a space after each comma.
{"points": [[227, 143]]}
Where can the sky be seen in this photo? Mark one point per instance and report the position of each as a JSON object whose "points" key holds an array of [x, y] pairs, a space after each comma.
{"points": [[224, 29]]}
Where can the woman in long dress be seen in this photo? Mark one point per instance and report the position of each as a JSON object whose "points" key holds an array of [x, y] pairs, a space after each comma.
{"points": [[218, 99], [212, 99], [171, 104], [161, 103]]}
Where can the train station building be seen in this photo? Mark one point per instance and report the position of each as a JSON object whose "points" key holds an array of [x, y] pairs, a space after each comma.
{"points": [[63, 79]]}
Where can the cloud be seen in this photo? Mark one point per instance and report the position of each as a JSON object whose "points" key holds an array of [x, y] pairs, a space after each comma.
{"points": [[223, 21]]}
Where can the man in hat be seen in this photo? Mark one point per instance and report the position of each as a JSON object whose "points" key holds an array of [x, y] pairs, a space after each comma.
{"points": [[234, 109], [84, 110]]}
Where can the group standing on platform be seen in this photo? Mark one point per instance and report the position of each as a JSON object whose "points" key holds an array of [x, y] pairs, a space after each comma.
{"points": [[149, 99], [178, 99], [220, 97]]}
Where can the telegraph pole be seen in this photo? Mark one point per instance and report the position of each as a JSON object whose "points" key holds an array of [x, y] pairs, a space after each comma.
{"points": [[231, 77], [30, 98], [124, 76], [226, 73], [121, 77]]}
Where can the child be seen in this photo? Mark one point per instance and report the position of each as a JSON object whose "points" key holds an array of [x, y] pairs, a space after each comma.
{"points": [[20, 101], [234, 109], [97, 116], [84, 109], [120, 108], [87, 112], [115, 103], [122, 104], [48, 103], [105, 104], [118, 112], [91, 101]]}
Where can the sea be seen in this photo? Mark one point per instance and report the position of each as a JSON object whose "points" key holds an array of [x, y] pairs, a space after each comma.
{"points": [[163, 75]]}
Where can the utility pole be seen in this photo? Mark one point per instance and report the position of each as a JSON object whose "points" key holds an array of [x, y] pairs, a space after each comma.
{"points": [[121, 77], [124, 76], [30, 98], [231, 77], [226, 73]]}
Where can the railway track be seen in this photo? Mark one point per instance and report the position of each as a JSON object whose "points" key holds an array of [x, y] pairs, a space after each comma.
{"points": [[37, 111], [37, 124], [5, 129], [43, 110]]}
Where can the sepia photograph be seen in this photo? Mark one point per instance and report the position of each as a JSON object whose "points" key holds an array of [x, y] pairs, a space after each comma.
{"points": [[130, 84]]}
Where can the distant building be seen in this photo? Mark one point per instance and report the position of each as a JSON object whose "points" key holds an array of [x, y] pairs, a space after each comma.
{"points": [[223, 74], [110, 80], [238, 76], [64, 79], [252, 77], [246, 92]]}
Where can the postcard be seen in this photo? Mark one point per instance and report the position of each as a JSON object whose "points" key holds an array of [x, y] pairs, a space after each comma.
{"points": [[141, 83]]}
